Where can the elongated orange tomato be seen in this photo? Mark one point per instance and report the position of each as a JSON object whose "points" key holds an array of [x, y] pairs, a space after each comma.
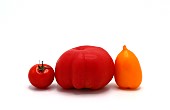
{"points": [[128, 73]]}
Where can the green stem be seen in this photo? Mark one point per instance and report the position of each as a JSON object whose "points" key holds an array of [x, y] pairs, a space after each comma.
{"points": [[41, 68]]}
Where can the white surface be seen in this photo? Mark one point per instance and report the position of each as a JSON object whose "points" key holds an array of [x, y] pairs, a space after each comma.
{"points": [[33, 30]]}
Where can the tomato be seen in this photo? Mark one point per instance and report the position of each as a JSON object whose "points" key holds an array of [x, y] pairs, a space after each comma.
{"points": [[84, 67], [128, 72], [41, 75]]}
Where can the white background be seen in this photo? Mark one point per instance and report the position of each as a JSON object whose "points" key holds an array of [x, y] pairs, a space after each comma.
{"points": [[33, 30]]}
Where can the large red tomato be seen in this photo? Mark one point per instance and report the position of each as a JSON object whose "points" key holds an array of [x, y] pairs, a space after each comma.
{"points": [[84, 67]]}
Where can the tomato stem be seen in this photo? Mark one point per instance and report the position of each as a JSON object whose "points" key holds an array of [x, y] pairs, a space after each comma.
{"points": [[124, 47], [41, 68]]}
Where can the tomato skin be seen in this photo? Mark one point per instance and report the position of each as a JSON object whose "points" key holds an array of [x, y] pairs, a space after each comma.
{"points": [[41, 79], [84, 67]]}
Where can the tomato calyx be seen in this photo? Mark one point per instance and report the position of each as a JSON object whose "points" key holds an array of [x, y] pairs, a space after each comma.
{"points": [[41, 68]]}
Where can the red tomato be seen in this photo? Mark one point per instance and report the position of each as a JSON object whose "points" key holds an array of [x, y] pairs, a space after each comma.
{"points": [[41, 76], [84, 67]]}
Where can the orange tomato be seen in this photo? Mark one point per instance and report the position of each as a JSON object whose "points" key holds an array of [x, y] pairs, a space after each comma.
{"points": [[128, 73]]}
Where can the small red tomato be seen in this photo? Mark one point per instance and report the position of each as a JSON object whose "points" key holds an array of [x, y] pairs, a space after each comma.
{"points": [[41, 75]]}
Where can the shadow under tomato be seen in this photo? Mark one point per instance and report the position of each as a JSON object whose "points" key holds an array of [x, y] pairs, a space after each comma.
{"points": [[125, 89], [46, 89], [84, 91]]}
